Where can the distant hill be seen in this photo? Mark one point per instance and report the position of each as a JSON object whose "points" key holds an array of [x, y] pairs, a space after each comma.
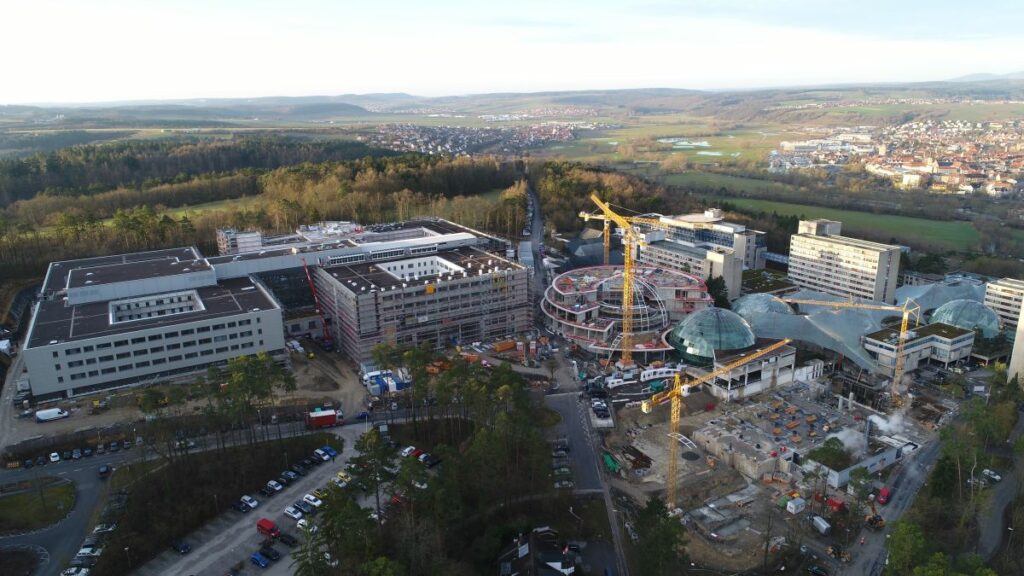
{"points": [[986, 77]]}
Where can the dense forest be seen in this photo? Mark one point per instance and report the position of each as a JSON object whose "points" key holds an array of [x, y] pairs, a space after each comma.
{"points": [[98, 168], [51, 227]]}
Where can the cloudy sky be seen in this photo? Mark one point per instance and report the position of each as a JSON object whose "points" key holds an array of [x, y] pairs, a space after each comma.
{"points": [[108, 50]]}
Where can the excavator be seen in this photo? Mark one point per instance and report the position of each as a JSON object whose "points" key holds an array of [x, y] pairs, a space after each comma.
{"points": [[874, 521]]}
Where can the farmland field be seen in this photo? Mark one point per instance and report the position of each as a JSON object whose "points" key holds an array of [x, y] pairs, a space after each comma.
{"points": [[953, 235]]}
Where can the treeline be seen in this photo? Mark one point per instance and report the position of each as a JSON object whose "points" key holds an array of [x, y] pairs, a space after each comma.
{"points": [[367, 190], [92, 169], [565, 187]]}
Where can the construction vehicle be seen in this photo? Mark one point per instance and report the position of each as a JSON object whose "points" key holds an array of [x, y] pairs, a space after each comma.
{"points": [[632, 241], [874, 521], [838, 553], [325, 341], [676, 394], [909, 308]]}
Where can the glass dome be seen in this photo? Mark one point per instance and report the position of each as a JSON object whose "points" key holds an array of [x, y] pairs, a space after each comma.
{"points": [[753, 305], [969, 315], [700, 334]]}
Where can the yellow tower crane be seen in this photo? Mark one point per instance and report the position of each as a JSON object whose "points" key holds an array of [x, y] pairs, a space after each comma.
{"points": [[909, 308], [675, 395], [632, 241], [629, 220]]}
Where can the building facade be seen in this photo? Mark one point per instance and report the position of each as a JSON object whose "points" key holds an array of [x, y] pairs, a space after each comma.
{"points": [[704, 260], [932, 343], [231, 241], [1004, 296], [821, 259], [418, 295], [710, 228], [153, 316]]}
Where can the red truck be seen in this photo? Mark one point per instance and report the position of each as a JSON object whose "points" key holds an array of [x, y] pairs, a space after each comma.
{"points": [[883, 496], [267, 528], [323, 419]]}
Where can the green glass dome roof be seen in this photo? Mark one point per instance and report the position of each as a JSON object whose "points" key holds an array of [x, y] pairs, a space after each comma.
{"points": [[752, 305], [700, 334], [969, 315]]}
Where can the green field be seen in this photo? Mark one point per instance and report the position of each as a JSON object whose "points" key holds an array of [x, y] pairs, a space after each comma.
{"points": [[733, 183], [954, 235], [31, 510]]}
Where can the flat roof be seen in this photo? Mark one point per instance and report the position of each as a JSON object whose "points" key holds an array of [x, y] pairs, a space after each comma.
{"points": [[366, 276], [57, 273], [135, 270], [937, 329], [851, 242], [590, 278], [731, 356], [697, 250], [56, 320]]}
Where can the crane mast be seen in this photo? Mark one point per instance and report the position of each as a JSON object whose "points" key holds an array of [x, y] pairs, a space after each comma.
{"points": [[675, 396], [327, 340], [631, 241]]}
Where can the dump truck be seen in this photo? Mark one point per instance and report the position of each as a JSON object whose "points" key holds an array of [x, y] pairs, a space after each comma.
{"points": [[505, 346], [323, 419], [51, 414]]}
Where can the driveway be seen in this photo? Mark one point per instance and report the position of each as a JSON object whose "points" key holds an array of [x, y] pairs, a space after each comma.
{"points": [[991, 525]]}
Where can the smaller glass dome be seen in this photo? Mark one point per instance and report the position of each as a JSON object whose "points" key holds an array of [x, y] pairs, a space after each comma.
{"points": [[969, 315], [701, 333], [753, 305]]}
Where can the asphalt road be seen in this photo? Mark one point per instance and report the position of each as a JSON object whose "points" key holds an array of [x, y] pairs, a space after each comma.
{"points": [[990, 522], [869, 559], [63, 539]]}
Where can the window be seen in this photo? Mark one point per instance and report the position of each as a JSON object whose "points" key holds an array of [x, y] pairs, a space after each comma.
{"points": [[189, 344], [90, 361], [232, 324], [94, 373], [125, 367], [174, 358], [156, 337], [72, 351], [142, 364], [222, 350], [171, 335], [220, 338], [138, 340], [234, 346], [54, 353], [188, 332], [246, 334], [173, 346], [56, 366], [75, 363], [246, 344], [235, 336], [203, 329], [103, 346], [156, 349], [207, 352], [141, 352], [191, 355], [106, 358], [87, 349], [77, 376], [245, 322], [110, 370], [60, 379], [159, 361], [205, 340], [121, 355], [218, 326], [121, 343]]}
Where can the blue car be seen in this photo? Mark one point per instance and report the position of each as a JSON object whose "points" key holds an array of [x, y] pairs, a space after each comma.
{"points": [[330, 451], [259, 560]]}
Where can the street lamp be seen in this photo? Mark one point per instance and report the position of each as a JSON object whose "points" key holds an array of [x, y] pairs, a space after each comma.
{"points": [[129, 557], [1010, 539]]}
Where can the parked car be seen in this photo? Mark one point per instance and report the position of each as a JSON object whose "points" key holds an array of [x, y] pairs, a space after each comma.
{"points": [[28, 463], [293, 512], [309, 462], [417, 453], [320, 493], [424, 458], [991, 475], [305, 524], [66, 455], [113, 447], [104, 528], [181, 547], [298, 469], [313, 500], [407, 451], [101, 449], [275, 486], [76, 454], [127, 445], [306, 507], [54, 457], [563, 484], [105, 470], [259, 560], [817, 571], [42, 460], [250, 501], [266, 491], [323, 456], [289, 476], [87, 452], [269, 552], [287, 539], [240, 506]]}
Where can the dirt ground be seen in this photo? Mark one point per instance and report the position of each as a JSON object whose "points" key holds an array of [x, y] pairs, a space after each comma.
{"points": [[326, 377]]}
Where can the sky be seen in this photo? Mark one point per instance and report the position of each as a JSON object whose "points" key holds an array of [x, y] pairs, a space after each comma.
{"points": [[116, 50]]}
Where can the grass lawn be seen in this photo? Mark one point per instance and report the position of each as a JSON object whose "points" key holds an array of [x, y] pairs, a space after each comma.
{"points": [[733, 183], [26, 511], [953, 235]]}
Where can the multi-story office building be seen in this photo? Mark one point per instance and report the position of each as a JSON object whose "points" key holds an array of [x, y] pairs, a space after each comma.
{"points": [[704, 260], [410, 295], [231, 241], [115, 321], [710, 229], [1004, 296], [937, 343], [162, 315], [1016, 367], [823, 260]]}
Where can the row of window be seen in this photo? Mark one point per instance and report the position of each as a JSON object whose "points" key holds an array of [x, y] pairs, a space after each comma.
{"points": [[156, 337], [158, 349], [158, 361]]}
